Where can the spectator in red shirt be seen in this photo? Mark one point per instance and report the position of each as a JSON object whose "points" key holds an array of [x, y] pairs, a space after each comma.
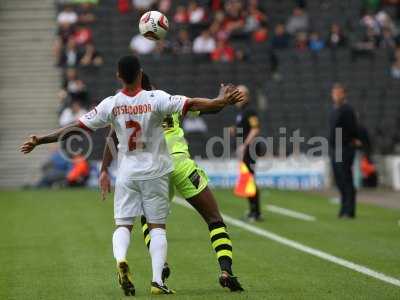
{"points": [[301, 42], [181, 15], [223, 52], [82, 36], [124, 6], [234, 20], [216, 5], [261, 34]]}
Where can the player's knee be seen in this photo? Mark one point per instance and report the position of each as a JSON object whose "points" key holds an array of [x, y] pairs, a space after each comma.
{"points": [[129, 227]]}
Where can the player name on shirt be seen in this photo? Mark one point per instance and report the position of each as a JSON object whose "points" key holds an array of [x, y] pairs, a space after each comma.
{"points": [[132, 109]]}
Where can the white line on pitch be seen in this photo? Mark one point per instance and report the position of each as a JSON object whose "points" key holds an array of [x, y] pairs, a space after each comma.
{"points": [[290, 213], [303, 248]]}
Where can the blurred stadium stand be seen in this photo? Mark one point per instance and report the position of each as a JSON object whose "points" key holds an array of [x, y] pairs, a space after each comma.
{"points": [[28, 84]]}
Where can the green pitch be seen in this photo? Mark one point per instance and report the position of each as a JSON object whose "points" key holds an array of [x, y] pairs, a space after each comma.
{"points": [[57, 245]]}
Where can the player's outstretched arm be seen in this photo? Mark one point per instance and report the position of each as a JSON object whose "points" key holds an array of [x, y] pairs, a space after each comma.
{"points": [[228, 96], [53, 137]]}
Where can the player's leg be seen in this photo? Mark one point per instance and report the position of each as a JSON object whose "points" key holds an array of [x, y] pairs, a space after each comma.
{"points": [[155, 204], [206, 204], [146, 236], [192, 183], [126, 207], [121, 240]]}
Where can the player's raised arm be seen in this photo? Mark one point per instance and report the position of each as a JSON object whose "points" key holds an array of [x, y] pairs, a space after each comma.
{"points": [[167, 104], [228, 96], [53, 137]]}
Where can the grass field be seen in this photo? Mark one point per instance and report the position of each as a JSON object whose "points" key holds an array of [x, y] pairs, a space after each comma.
{"points": [[57, 245]]}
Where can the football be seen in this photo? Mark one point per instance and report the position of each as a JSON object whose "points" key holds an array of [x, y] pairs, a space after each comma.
{"points": [[153, 25]]}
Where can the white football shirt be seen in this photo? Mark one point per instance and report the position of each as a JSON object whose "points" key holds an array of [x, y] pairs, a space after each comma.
{"points": [[137, 120]]}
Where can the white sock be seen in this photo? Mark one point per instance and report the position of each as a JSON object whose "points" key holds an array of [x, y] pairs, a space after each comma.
{"points": [[121, 239], [158, 252]]}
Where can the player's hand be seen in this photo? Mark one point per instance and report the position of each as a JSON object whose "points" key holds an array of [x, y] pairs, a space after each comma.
{"points": [[29, 145], [105, 184], [233, 96], [225, 88]]}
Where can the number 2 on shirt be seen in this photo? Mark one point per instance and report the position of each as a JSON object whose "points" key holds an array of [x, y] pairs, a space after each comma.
{"points": [[133, 142]]}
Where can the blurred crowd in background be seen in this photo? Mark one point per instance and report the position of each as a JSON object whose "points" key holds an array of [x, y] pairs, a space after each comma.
{"points": [[216, 31], [74, 48], [210, 27]]}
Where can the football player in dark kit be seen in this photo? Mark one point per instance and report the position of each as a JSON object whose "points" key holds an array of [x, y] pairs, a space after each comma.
{"points": [[248, 126]]}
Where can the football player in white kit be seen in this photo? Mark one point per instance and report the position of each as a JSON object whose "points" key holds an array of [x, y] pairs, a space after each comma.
{"points": [[142, 184]]}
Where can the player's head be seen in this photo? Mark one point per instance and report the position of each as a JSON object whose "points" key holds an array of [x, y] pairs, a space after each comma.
{"points": [[338, 94], [129, 69], [245, 91]]}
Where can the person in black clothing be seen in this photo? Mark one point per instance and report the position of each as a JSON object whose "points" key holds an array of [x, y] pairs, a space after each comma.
{"points": [[343, 139], [248, 126]]}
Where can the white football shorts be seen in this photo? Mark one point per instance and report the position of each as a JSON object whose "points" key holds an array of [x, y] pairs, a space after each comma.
{"points": [[134, 198]]}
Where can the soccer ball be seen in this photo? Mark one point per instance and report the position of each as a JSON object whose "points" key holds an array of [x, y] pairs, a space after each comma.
{"points": [[153, 25]]}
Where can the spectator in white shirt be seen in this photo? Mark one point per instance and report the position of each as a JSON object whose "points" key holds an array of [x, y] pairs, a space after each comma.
{"points": [[140, 45], [196, 13], [297, 22], [204, 43], [71, 114], [143, 4], [67, 16]]}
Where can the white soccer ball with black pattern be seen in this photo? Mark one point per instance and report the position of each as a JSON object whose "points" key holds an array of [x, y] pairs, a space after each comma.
{"points": [[153, 25]]}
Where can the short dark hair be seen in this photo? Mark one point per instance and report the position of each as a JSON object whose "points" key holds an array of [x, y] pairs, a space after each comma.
{"points": [[129, 68]]}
